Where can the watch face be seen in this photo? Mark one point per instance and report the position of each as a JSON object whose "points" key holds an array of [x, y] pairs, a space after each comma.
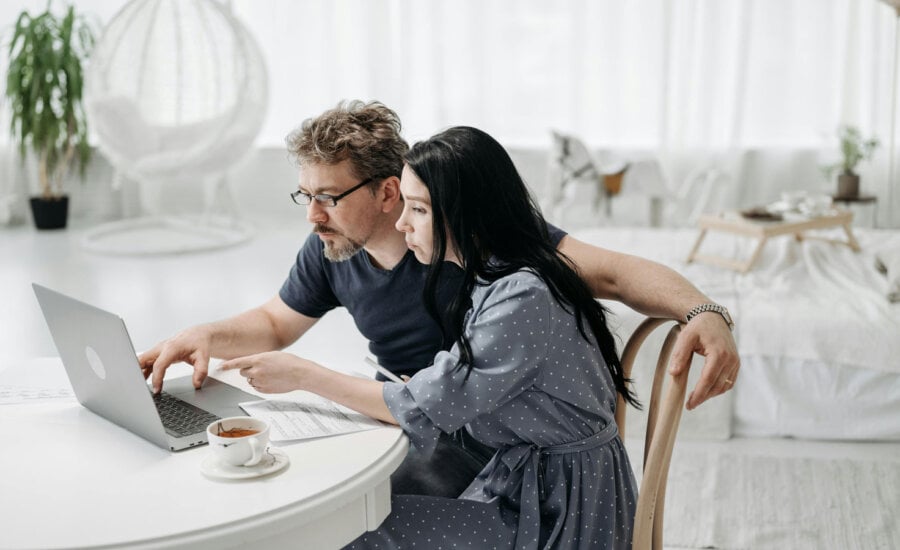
{"points": [[727, 317]]}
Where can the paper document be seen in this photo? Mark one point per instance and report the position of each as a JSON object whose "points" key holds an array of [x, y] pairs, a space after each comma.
{"points": [[18, 394], [37, 380], [314, 416]]}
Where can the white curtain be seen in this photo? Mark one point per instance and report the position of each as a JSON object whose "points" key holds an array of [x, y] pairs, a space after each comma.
{"points": [[739, 83], [695, 81], [641, 73]]}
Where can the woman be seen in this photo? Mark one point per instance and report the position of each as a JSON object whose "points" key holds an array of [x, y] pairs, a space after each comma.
{"points": [[533, 370]]}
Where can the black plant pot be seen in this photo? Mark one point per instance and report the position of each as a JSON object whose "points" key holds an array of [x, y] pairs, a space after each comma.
{"points": [[848, 186], [50, 213]]}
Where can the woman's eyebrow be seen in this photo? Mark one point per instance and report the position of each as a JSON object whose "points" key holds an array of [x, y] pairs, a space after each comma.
{"points": [[416, 198]]}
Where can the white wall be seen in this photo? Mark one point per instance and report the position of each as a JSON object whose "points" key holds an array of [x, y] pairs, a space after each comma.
{"points": [[260, 184]]}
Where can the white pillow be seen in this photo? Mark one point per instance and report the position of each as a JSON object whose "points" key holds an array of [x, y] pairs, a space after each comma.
{"points": [[887, 261]]}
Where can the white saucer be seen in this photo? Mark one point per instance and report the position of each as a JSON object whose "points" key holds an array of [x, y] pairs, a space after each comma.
{"points": [[275, 460]]}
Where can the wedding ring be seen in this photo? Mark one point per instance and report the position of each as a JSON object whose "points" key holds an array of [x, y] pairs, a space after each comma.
{"points": [[727, 381], [250, 380]]}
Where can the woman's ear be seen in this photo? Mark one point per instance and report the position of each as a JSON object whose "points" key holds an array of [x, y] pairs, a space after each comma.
{"points": [[390, 189]]}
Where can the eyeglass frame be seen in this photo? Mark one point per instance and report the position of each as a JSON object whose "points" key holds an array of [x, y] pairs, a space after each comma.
{"points": [[323, 198]]}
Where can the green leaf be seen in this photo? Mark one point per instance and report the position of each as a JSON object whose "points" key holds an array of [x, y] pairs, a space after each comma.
{"points": [[44, 89]]}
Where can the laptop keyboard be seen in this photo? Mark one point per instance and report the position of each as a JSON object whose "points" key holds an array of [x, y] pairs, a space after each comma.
{"points": [[181, 418]]}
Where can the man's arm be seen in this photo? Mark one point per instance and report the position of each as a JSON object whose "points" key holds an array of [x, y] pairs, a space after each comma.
{"points": [[657, 291], [270, 326]]}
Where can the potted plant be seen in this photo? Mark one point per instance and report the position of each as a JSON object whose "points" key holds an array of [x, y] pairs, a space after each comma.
{"points": [[44, 88], [854, 149]]}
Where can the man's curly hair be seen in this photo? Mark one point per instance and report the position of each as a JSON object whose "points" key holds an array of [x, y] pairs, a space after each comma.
{"points": [[366, 134]]}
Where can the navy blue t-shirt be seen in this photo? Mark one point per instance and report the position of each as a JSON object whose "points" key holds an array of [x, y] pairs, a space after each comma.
{"points": [[386, 305]]}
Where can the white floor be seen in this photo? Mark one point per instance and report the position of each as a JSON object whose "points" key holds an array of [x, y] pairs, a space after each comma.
{"points": [[157, 295]]}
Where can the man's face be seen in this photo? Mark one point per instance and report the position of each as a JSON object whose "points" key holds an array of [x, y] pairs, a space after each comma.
{"points": [[346, 227]]}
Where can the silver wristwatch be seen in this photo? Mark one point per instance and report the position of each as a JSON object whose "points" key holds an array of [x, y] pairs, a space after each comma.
{"points": [[697, 310]]}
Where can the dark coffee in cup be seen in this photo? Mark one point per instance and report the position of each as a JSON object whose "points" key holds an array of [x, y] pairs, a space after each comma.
{"points": [[238, 440], [236, 432]]}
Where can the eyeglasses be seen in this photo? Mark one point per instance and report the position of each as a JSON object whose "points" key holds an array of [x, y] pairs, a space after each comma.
{"points": [[304, 199]]}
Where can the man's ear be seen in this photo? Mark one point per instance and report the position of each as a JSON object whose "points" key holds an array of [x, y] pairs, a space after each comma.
{"points": [[390, 193]]}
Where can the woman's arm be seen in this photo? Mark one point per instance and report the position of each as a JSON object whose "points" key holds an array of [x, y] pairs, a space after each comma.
{"points": [[279, 372]]}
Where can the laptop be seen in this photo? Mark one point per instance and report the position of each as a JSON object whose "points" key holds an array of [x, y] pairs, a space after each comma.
{"points": [[106, 377]]}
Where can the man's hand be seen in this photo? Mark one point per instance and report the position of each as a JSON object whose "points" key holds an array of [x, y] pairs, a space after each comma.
{"points": [[708, 335], [190, 346]]}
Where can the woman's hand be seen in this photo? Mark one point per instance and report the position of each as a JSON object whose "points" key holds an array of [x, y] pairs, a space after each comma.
{"points": [[272, 371], [279, 372]]}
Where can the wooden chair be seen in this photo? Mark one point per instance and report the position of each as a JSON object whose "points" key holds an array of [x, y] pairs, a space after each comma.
{"points": [[663, 415], [571, 161]]}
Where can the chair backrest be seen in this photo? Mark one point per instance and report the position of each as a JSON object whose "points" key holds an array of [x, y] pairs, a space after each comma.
{"points": [[571, 161], [573, 158], [573, 178], [663, 415]]}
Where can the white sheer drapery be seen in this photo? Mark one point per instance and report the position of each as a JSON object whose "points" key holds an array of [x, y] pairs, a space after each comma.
{"points": [[733, 82], [643, 73], [739, 83]]}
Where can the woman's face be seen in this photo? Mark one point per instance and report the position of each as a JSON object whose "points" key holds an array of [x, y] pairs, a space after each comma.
{"points": [[416, 221]]}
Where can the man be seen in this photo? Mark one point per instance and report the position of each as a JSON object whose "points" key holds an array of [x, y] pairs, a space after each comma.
{"points": [[350, 159]]}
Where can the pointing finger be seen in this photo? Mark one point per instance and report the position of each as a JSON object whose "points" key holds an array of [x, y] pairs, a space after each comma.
{"points": [[230, 365]]}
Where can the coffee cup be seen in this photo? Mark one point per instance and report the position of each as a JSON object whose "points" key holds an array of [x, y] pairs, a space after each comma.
{"points": [[238, 440], [815, 205], [793, 199]]}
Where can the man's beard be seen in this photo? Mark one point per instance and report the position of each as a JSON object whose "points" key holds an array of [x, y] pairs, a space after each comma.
{"points": [[338, 252]]}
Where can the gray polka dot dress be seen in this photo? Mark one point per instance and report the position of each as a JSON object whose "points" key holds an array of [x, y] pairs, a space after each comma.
{"points": [[541, 395]]}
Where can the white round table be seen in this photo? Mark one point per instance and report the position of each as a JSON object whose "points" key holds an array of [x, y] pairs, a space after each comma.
{"points": [[73, 479]]}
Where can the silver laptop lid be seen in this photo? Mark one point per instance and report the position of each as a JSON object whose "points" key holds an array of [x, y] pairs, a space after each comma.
{"points": [[101, 363]]}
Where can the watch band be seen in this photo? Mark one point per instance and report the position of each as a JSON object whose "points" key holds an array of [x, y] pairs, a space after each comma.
{"points": [[702, 308]]}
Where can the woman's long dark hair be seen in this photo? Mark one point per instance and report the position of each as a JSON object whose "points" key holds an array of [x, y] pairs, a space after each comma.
{"points": [[477, 193]]}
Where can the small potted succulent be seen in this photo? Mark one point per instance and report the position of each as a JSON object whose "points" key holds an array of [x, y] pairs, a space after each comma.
{"points": [[44, 84], [854, 149]]}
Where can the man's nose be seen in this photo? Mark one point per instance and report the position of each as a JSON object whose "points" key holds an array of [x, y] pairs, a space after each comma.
{"points": [[316, 213]]}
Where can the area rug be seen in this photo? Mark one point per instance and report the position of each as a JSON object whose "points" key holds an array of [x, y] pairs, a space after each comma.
{"points": [[735, 501]]}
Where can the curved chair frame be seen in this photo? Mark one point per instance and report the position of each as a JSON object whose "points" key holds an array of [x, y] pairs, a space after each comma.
{"points": [[663, 416]]}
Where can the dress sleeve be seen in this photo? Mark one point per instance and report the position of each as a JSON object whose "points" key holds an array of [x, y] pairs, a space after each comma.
{"points": [[509, 332]]}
